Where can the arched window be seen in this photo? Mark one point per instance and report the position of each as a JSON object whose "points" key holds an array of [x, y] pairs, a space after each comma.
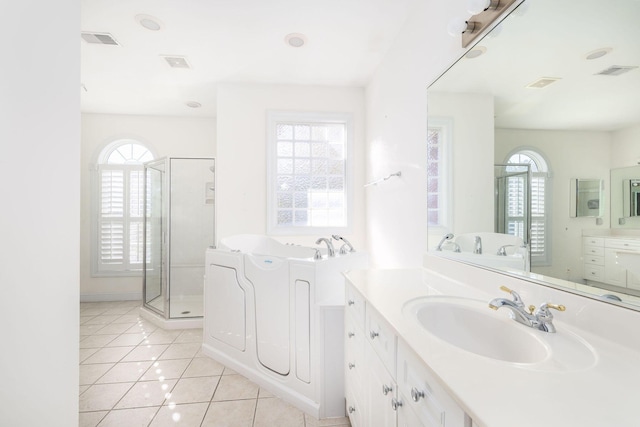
{"points": [[539, 197], [119, 188]]}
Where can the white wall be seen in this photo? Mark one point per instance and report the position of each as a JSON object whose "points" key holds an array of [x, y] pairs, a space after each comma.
{"points": [[396, 102], [625, 147], [166, 136], [472, 147], [39, 189], [241, 165], [571, 154]]}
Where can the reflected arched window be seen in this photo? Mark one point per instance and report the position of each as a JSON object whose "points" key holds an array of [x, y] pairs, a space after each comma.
{"points": [[119, 208], [538, 198]]}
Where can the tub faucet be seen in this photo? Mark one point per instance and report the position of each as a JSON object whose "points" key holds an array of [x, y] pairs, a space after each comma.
{"points": [[346, 247], [330, 249], [477, 245], [542, 319], [444, 239]]}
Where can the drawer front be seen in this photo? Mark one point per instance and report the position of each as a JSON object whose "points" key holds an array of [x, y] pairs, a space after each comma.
{"points": [[593, 241], [354, 305], [593, 250], [382, 339], [424, 395], [593, 272], [631, 245], [355, 409], [594, 259], [353, 352]]}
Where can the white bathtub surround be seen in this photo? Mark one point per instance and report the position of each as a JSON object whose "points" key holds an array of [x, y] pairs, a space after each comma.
{"points": [[274, 313], [595, 390]]}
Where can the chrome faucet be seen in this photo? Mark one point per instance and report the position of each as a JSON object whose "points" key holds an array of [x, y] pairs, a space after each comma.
{"points": [[502, 250], [346, 247], [331, 252], [477, 245], [541, 319], [445, 238]]}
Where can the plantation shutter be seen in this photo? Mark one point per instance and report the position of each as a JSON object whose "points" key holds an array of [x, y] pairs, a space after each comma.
{"points": [[111, 223], [538, 218]]}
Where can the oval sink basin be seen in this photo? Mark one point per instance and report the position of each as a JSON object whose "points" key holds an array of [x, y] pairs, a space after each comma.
{"points": [[470, 325]]}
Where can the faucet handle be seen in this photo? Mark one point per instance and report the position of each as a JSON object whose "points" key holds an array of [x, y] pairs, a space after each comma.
{"points": [[558, 307], [514, 294], [531, 309]]}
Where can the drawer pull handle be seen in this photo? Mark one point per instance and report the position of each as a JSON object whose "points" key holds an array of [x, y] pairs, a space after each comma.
{"points": [[351, 302], [395, 404], [386, 389], [373, 334], [416, 394], [351, 334], [352, 365], [351, 409]]}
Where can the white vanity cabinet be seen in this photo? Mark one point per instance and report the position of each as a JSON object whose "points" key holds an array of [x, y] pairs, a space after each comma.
{"points": [[386, 385], [600, 261]]}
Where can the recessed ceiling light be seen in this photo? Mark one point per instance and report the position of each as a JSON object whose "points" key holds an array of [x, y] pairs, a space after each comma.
{"points": [[543, 82], [475, 52], [598, 53], [149, 22], [295, 39], [193, 104]]}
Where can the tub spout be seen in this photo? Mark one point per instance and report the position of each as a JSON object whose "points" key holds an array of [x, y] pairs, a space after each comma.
{"points": [[330, 249]]}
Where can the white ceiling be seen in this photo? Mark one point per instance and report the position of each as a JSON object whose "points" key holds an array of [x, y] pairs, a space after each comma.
{"points": [[550, 39], [228, 41]]}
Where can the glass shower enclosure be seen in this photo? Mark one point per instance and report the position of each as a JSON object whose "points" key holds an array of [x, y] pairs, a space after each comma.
{"points": [[179, 226]]}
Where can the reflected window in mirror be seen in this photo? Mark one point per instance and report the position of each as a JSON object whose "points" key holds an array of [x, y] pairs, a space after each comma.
{"points": [[539, 238], [438, 173]]}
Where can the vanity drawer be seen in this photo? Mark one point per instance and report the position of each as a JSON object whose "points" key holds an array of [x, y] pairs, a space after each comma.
{"points": [[594, 272], [631, 245], [354, 305], [593, 250], [594, 259], [423, 394], [382, 339], [593, 241]]}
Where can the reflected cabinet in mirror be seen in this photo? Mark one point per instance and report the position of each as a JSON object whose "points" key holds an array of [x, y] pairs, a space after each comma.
{"points": [[549, 95]]}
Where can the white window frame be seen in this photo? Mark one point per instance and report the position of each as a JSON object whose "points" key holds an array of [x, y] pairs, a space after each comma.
{"points": [[275, 117], [124, 269], [445, 175]]}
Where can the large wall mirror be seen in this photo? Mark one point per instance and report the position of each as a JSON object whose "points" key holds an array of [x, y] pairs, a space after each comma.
{"points": [[550, 95]]}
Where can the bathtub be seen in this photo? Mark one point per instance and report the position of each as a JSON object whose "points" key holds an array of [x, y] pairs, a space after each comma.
{"points": [[274, 313]]}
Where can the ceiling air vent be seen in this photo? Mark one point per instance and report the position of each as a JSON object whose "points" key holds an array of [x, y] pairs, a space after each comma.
{"points": [[616, 70], [542, 82], [176, 61], [99, 38]]}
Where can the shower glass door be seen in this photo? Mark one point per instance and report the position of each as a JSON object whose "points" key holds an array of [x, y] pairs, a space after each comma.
{"points": [[513, 200], [154, 275]]}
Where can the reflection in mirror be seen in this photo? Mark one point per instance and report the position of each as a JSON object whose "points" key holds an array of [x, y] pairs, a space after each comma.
{"points": [[631, 196], [586, 198], [555, 84]]}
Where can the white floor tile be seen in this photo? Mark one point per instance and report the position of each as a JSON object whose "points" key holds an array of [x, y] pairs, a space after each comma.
{"points": [[276, 412], [135, 417], [166, 369], [101, 397], [126, 339], [193, 390], [89, 374], [91, 419], [203, 367], [108, 355], [181, 351], [180, 415], [236, 413], [145, 352], [160, 336], [124, 372], [146, 393], [235, 387], [97, 341]]}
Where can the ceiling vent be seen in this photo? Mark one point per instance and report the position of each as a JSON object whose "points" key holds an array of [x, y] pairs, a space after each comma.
{"points": [[99, 38], [176, 61], [616, 70], [542, 82]]}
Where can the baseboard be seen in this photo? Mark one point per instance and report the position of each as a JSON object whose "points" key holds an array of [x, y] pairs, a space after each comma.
{"points": [[186, 323], [128, 296]]}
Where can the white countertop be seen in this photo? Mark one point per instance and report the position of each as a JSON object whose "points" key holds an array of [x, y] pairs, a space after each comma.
{"points": [[502, 394]]}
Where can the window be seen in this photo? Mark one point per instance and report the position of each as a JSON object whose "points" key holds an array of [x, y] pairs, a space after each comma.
{"points": [[309, 170], [438, 179], [539, 239], [119, 205]]}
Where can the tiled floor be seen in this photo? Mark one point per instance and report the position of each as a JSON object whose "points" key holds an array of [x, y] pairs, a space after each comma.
{"points": [[135, 374]]}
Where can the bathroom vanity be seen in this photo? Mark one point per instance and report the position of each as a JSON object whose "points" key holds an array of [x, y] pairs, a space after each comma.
{"points": [[601, 260], [401, 369]]}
